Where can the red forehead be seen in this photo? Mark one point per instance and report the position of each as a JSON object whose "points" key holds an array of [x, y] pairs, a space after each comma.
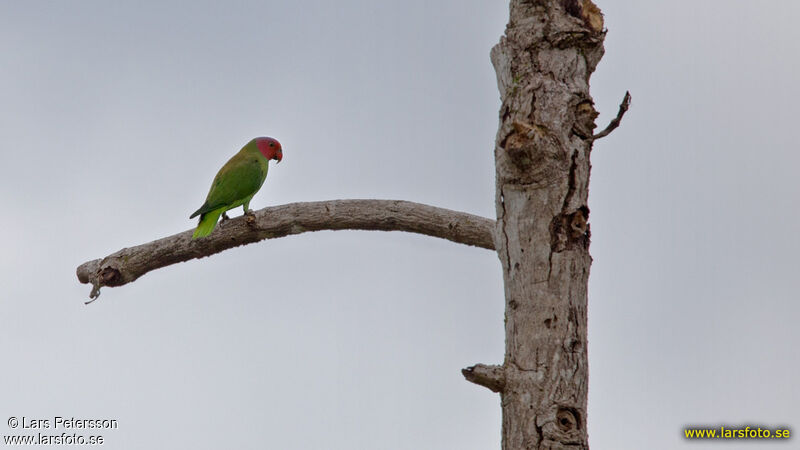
{"points": [[264, 145]]}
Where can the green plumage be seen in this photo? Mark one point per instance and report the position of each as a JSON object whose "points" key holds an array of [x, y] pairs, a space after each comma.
{"points": [[235, 185]]}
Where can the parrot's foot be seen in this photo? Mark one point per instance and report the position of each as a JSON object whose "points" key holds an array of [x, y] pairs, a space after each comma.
{"points": [[225, 217], [250, 217]]}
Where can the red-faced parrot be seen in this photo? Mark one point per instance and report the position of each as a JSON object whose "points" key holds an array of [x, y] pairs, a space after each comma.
{"points": [[237, 182]]}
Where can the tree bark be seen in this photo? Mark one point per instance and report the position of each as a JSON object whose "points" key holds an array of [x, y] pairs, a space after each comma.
{"points": [[129, 264], [543, 64]]}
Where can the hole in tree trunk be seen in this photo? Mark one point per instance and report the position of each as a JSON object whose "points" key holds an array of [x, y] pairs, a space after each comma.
{"points": [[568, 419]]}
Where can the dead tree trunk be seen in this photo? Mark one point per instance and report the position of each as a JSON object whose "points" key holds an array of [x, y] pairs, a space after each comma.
{"points": [[543, 64]]}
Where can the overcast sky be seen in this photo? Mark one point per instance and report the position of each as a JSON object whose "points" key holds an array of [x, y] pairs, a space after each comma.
{"points": [[114, 118]]}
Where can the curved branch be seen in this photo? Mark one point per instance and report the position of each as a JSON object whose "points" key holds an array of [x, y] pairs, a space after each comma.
{"points": [[129, 264]]}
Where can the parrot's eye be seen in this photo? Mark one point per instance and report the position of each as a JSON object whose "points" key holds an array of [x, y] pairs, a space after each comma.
{"points": [[272, 144]]}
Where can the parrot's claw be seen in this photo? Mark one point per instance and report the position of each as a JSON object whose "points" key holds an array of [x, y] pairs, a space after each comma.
{"points": [[250, 217], [225, 217]]}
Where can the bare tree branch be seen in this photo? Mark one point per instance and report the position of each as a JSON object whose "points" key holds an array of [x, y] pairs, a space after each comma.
{"points": [[129, 264], [492, 377], [623, 108]]}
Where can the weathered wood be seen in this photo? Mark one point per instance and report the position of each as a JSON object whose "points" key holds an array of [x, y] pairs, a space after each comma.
{"points": [[128, 264], [543, 64]]}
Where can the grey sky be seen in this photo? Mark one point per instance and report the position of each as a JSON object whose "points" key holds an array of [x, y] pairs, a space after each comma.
{"points": [[114, 118]]}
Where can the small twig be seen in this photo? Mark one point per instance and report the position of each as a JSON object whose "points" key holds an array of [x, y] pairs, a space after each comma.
{"points": [[623, 107], [95, 292]]}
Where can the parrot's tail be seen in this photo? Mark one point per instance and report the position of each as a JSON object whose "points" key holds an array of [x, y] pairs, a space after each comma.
{"points": [[207, 223]]}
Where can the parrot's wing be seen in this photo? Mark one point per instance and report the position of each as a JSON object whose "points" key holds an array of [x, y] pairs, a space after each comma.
{"points": [[239, 178]]}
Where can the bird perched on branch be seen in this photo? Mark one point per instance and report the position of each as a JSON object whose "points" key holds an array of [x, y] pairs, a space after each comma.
{"points": [[237, 182]]}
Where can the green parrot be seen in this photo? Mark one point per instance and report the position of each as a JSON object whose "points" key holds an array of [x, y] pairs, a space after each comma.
{"points": [[237, 182]]}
